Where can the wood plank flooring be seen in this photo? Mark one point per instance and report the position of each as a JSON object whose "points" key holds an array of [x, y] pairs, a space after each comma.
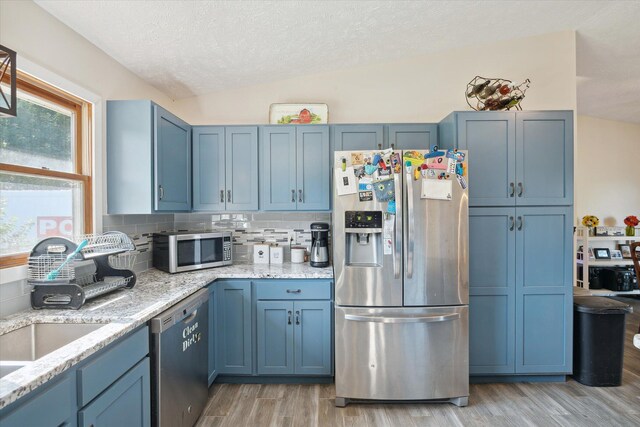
{"points": [[524, 404]]}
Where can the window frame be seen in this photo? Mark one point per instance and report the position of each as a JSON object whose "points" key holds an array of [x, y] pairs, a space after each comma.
{"points": [[83, 151]]}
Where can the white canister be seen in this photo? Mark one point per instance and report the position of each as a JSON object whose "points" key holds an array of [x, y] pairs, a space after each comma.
{"points": [[297, 254], [276, 254], [261, 254]]}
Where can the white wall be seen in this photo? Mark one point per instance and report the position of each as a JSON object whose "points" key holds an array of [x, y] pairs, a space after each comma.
{"points": [[607, 168], [419, 89]]}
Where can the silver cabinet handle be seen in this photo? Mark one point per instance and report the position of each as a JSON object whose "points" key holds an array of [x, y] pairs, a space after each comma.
{"points": [[293, 196], [520, 223], [297, 317], [294, 291], [161, 192], [513, 223], [289, 319], [221, 196], [403, 319], [520, 189], [397, 243], [512, 189], [300, 196], [229, 196], [410, 231]]}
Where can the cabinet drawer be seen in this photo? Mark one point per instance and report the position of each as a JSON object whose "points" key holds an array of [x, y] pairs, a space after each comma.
{"points": [[103, 371], [293, 289]]}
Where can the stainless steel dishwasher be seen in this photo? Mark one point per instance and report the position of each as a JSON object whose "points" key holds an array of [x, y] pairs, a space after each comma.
{"points": [[179, 343]]}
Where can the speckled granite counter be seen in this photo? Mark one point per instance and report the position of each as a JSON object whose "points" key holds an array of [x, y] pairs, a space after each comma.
{"points": [[122, 311]]}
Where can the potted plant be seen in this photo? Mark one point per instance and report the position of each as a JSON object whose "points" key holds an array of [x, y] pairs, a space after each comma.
{"points": [[631, 222], [590, 221]]}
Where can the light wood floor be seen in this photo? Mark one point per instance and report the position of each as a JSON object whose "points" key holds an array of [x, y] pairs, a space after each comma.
{"points": [[524, 404]]}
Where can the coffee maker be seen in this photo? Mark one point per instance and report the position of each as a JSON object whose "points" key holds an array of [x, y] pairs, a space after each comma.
{"points": [[319, 244]]}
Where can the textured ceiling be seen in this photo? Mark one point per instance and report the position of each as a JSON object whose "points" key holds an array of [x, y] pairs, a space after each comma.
{"points": [[188, 48]]}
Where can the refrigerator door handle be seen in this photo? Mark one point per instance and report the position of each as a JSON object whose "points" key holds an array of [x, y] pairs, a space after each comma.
{"points": [[407, 319], [410, 223], [397, 236]]}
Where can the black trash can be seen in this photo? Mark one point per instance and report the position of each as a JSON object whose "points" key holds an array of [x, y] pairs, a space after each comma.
{"points": [[598, 340]]}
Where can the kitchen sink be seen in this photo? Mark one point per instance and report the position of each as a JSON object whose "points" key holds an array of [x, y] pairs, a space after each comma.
{"points": [[29, 343]]}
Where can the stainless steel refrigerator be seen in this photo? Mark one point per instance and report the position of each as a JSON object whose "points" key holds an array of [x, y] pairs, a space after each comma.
{"points": [[401, 284]]}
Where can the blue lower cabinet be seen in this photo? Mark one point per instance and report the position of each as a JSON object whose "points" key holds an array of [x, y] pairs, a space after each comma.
{"points": [[312, 337], [274, 322], [234, 327], [54, 406], [544, 290], [124, 403], [211, 352]]}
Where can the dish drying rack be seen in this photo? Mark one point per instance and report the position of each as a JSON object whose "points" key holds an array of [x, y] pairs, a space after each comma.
{"points": [[102, 266]]}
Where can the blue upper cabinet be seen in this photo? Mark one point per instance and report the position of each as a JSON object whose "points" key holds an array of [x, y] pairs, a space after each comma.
{"points": [[208, 168], [172, 143], [490, 139], [225, 168], [313, 174], [278, 168], [515, 158], [357, 137], [241, 154], [544, 162], [295, 170], [412, 136], [148, 159]]}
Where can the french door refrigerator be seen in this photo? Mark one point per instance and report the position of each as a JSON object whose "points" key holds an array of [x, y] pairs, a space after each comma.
{"points": [[401, 280]]}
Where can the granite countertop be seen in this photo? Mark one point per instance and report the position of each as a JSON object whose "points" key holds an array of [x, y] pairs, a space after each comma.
{"points": [[124, 310]]}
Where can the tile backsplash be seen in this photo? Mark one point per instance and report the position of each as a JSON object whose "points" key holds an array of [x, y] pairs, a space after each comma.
{"points": [[140, 229], [284, 228]]}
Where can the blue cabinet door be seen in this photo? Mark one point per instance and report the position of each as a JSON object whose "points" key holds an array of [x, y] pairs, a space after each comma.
{"points": [[312, 337], [357, 137], [125, 403], [234, 327], [313, 172], [544, 165], [172, 165], [53, 406], [492, 241], [212, 334], [274, 320], [241, 152], [544, 293], [490, 139], [413, 136], [208, 168], [278, 168]]}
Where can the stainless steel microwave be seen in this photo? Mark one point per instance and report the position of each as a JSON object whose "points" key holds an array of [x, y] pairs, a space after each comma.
{"points": [[175, 252]]}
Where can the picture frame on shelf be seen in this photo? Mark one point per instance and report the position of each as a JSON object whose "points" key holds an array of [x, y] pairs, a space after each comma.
{"points": [[602, 253], [298, 114], [616, 254], [591, 255], [625, 251]]}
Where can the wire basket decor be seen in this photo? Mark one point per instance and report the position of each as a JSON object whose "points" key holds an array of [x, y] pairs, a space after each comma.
{"points": [[495, 94]]}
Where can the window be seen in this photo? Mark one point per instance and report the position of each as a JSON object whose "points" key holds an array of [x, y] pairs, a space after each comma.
{"points": [[45, 169]]}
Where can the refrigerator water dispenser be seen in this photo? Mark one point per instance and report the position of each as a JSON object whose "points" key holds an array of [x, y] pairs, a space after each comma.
{"points": [[363, 238]]}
